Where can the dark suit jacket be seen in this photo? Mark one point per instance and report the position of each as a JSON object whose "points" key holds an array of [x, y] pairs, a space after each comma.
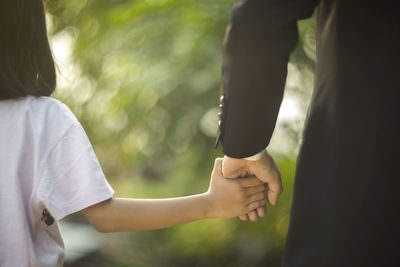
{"points": [[345, 203]]}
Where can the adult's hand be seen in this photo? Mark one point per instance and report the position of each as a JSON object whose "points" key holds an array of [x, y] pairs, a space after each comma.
{"points": [[264, 169]]}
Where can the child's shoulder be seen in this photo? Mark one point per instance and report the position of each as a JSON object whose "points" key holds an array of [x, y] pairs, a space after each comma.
{"points": [[47, 103], [48, 116], [49, 108]]}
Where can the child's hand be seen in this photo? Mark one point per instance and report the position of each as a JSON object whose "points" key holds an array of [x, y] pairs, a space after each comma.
{"points": [[234, 197]]}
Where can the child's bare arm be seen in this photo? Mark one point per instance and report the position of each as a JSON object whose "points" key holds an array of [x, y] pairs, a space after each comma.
{"points": [[225, 198]]}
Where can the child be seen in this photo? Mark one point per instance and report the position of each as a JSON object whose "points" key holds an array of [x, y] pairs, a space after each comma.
{"points": [[49, 170]]}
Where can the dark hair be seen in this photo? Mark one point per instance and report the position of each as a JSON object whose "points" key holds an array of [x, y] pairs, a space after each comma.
{"points": [[26, 62]]}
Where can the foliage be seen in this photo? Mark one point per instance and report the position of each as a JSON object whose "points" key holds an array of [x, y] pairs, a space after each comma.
{"points": [[143, 79]]}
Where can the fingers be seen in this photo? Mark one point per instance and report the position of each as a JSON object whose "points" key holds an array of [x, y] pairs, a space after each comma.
{"points": [[257, 196], [255, 193], [261, 211], [249, 181], [253, 216], [274, 184], [266, 170], [244, 217], [254, 185], [255, 189], [256, 205]]}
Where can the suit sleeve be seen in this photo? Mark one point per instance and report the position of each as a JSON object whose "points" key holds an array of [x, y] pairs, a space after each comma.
{"points": [[256, 50]]}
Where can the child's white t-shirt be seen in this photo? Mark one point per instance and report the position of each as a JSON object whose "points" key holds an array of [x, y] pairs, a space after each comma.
{"points": [[46, 162]]}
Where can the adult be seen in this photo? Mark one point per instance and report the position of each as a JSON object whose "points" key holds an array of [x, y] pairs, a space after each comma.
{"points": [[345, 201]]}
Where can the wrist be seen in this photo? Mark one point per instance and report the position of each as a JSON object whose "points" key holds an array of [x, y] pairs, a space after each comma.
{"points": [[211, 208], [206, 206]]}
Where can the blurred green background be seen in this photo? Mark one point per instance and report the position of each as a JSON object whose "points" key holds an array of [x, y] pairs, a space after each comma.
{"points": [[143, 78]]}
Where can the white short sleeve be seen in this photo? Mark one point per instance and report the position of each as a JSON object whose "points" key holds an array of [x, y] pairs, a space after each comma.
{"points": [[72, 178]]}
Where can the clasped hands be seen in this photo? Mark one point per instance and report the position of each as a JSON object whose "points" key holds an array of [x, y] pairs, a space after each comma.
{"points": [[264, 169]]}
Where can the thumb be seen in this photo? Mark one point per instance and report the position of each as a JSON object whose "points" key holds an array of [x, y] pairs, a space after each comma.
{"points": [[274, 191], [274, 182], [266, 170], [233, 168], [218, 166]]}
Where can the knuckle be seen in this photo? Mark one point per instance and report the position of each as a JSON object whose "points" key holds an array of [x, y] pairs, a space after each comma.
{"points": [[217, 162], [248, 208]]}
